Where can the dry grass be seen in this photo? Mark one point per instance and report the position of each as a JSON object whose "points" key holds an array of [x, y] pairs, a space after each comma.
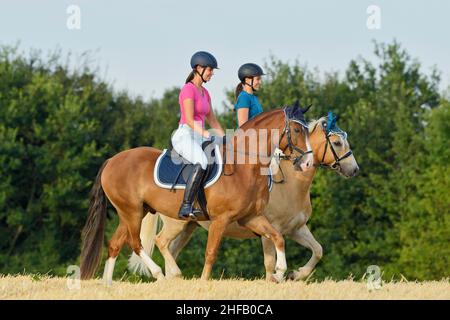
{"points": [[42, 287]]}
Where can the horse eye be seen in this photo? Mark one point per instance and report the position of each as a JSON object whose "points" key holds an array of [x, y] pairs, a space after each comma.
{"points": [[337, 143], [297, 130]]}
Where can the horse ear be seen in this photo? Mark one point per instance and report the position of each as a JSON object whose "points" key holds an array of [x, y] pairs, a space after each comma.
{"points": [[329, 119], [305, 110], [296, 104], [333, 122]]}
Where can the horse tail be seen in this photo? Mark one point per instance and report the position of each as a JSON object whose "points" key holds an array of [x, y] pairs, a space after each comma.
{"points": [[149, 227], [94, 229]]}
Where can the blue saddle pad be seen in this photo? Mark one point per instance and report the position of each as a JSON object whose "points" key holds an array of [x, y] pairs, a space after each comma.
{"points": [[167, 170]]}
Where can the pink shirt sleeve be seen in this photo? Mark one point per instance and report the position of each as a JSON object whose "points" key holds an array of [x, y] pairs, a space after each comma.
{"points": [[201, 103], [188, 92]]}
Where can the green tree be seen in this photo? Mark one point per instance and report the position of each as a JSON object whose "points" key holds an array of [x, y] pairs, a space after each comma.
{"points": [[424, 226]]}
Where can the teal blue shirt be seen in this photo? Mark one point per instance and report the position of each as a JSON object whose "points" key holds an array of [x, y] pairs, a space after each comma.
{"points": [[250, 101]]}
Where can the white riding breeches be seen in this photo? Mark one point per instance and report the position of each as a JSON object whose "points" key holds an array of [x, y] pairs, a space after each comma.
{"points": [[188, 144]]}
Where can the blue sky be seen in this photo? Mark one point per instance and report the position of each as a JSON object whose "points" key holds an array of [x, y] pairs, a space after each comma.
{"points": [[145, 46]]}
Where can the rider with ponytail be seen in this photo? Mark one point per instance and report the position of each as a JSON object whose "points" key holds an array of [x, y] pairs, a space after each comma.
{"points": [[195, 107], [247, 103]]}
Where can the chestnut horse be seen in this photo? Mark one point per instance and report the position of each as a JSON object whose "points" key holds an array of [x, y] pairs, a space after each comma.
{"points": [[126, 180], [288, 210]]}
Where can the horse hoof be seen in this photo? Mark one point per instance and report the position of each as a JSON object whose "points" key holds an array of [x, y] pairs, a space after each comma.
{"points": [[291, 276], [303, 273], [107, 283], [173, 276], [160, 277], [278, 277]]}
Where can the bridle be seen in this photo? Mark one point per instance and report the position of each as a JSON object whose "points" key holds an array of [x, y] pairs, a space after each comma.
{"points": [[337, 160], [290, 145]]}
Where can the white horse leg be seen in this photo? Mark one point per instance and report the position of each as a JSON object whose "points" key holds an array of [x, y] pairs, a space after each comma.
{"points": [[281, 265], [109, 270], [114, 247], [149, 227], [134, 241], [154, 268], [304, 237]]}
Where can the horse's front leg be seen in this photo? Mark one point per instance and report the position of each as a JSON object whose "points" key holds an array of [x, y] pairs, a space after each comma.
{"points": [[215, 234], [304, 237], [260, 225], [270, 258]]}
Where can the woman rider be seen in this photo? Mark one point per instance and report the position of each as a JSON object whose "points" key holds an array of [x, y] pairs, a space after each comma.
{"points": [[195, 106], [247, 104]]}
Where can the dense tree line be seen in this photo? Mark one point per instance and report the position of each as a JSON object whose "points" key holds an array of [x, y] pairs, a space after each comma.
{"points": [[58, 124]]}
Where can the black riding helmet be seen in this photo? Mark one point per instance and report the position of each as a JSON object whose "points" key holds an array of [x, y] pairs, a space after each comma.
{"points": [[203, 59], [249, 70]]}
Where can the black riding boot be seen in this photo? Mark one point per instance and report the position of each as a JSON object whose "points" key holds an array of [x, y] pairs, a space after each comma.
{"points": [[192, 186]]}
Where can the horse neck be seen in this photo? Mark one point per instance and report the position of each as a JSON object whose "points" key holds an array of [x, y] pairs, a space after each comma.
{"points": [[299, 182], [316, 140], [272, 120]]}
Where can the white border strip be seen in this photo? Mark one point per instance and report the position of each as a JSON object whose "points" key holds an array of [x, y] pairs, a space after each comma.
{"points": [[271, 179]]}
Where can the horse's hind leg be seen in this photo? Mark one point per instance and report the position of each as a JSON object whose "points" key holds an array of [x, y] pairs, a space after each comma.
{"points": [[170, 230], [116, 243], [182, 239], [260, 225], [134, 241], [304, 237]]}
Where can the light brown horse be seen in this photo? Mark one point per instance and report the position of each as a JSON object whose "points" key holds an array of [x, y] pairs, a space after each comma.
{"points": [[126, 180], [288, 210]]}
